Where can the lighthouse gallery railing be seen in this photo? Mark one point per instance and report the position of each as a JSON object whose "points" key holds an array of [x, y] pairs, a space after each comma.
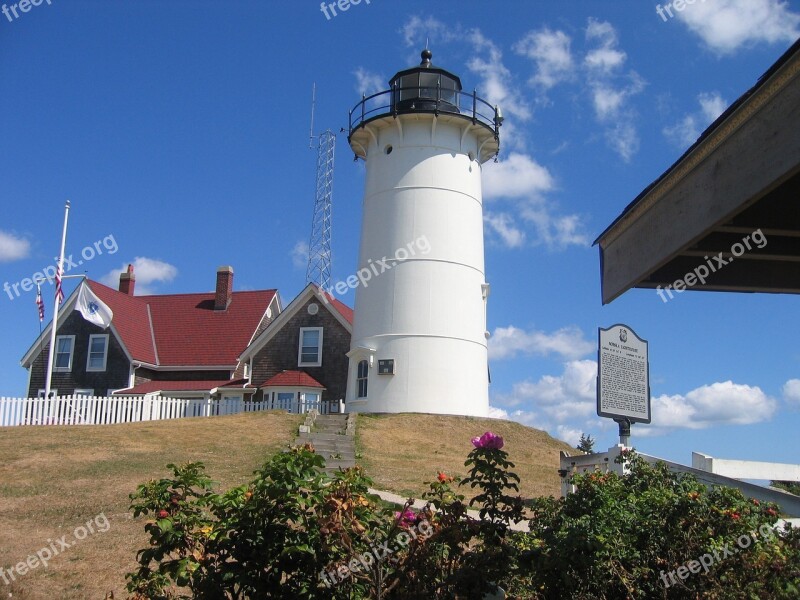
{"points": [[433, 100]]}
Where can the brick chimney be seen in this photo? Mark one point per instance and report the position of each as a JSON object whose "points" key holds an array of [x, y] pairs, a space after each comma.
{"points": [[127, 281], [224, 288]]}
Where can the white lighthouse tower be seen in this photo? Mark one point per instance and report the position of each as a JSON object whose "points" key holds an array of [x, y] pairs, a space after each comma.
{"points": [[419, 341]]}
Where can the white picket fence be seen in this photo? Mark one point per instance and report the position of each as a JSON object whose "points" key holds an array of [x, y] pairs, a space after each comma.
{"points": [[69, 410]]}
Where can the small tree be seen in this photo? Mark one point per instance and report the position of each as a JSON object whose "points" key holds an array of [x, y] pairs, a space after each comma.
{"points": [[586, 444]]}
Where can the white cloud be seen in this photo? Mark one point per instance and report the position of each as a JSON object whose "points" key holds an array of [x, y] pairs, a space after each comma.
{"points": [[299, 255], [606, 57], [568, 434], [13, 247], [725, 25], [550, 51], [791, 391], [508, 342], [556, 232], [686, 131], [430, 29], [624, 139], [498, 413], [148, 271], [561, 399], [712, 105], [497, 86], [518, 176], [722, 403], [369, 83], [503, 225], [610, 88]]}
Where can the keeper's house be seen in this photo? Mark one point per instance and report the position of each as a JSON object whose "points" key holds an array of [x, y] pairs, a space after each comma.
{"points": [[221, 344]]}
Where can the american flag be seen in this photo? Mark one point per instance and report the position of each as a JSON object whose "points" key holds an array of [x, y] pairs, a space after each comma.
{"points": [[59, 291], [40, 304]]}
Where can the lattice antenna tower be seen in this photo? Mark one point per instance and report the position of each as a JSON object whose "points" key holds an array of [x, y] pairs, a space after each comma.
{"points": [[319, 246]]}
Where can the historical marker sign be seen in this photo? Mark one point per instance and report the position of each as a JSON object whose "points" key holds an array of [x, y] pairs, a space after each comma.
{"points": [[623, 375]]}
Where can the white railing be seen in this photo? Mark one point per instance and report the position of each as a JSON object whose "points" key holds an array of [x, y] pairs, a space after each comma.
{"points": [[69, 410], [324, 407]]}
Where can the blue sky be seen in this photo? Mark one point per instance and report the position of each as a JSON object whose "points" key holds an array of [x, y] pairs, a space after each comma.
{"points": [[179, 131]]}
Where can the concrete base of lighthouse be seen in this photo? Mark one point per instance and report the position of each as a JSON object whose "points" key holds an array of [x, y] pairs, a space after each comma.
{"points": [[423, 382]]}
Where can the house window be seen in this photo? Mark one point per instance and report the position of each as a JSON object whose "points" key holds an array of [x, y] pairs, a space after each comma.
{"points": [[286, 401], [53, 393], [85, 392], [65, 344], [310, 351], [361, 379], [98, 352]]}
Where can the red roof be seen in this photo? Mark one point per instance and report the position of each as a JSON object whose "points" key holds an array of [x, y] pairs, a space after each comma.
{"points": [[184, 329], [340, 306], [292, 379], [197, 385]]}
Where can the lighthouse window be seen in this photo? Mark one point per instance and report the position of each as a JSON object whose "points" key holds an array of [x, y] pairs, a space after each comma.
{"points": [[362, 378], [427, 84], [449, 90], [310, 351]]}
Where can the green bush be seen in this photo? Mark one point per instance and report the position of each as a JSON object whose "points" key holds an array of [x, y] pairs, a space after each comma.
{"points": [[627, 537], [295, 532]]}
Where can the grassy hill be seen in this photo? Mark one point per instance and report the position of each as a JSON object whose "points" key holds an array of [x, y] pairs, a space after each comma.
{"points": [[402, 452], [55, 479]]}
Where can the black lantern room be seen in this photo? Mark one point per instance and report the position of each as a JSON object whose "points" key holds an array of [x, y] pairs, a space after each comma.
{"points": [[425, 88]]}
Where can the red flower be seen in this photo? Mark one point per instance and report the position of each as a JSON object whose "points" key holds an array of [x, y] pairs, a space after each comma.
{"points": [[163, 514], [442, 477], [735, 516]]}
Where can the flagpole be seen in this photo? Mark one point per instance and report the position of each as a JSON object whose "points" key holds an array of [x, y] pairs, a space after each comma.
{"points": [[56, 304]]}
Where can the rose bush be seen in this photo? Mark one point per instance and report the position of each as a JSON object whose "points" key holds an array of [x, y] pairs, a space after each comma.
{"points": [[295, 532]]}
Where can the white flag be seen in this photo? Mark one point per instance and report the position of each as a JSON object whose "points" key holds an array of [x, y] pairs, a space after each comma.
{"points": [[92, 308]]}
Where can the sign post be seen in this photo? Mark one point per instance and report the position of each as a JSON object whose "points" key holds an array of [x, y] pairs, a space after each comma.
{"points": [[623, 378]]}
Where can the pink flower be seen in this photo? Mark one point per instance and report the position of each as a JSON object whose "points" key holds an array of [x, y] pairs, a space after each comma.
{"points": [[405, 519], [489, 441]]}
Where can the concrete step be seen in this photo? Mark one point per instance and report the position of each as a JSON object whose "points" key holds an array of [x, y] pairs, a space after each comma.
{"points": [[330, 420], [321, 436], [338, 430], [327, 445]]}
